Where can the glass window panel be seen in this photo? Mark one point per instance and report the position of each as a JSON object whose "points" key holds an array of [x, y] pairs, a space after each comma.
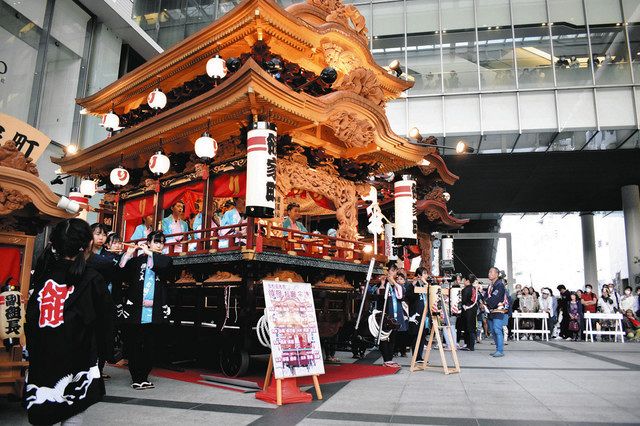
{"points": [[459, 61], [397, 116], [611, 57], [529, 12], [462, 114], [577, 109], [571, 50], [631, 9], [457, 15], [495, 144], [388, 48], [569, 11], [57, 106], [225, 6], [199, 11], [388, 19], [499, 112], [603, 11], [69, 25], [615, 107], [424, 63], [33, 10], [145, 13], [496, 59], [634, 42], [538, 111], [533, 55], [422, 16], [493, 13], [19, 54]]}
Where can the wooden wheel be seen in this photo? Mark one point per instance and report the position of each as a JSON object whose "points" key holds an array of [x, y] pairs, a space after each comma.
{"points": [[234, 359]]}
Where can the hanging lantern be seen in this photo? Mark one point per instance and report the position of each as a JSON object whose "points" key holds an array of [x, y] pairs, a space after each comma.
{"points": [[88, 187], [206, 147], [119, 177], [157, 99], [159, 163], [110, 121], [405, 211], [216, 67], [11, 314], [261, 170], [435, 258], [447, 252], [76, 195]]}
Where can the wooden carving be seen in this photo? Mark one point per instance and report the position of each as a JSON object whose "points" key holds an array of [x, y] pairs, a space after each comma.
{"points": [[424, 242], [436, 194], [342, 60], [349, 17], [351, 130], [223, 277], [186, 277], [11, 157], [363, 82], [12, 200], [334, 282], [340, 191], [284, 275], [326, 5]]}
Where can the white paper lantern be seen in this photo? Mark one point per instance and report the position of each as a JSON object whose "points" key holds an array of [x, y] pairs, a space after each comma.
{"points": [[88, 187], [157, 99], [119, 176], [110, 121], [261, 170], [216, 67], [405, 210], [447, 252], [206, 147], [159, 163], [435, 258], [76, 196]]}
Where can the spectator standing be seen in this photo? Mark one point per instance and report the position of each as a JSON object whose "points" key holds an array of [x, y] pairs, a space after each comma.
{"points": [[497, 302], [628, 301], [546, 305], [589, 302], [574, 308], [606, 305], [563, 304], [469, 312]]}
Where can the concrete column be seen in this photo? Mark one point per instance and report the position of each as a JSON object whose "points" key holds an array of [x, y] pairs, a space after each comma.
{"points": [[589, 250], [631, 210]]}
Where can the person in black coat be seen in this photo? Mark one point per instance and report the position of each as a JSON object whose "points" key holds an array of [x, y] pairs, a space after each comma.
{"points": [[417, 302], [145, 305], [469, 312], [68, 329]]}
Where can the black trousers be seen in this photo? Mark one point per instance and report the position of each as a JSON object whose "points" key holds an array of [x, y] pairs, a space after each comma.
{"points": [[423, 341], [387, 347], [469, 318], [141, 348]]}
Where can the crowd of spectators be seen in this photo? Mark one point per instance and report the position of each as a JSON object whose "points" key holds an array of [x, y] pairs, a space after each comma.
{"points": [[566, 310]]}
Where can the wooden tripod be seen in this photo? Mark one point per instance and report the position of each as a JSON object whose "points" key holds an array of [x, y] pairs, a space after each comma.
{"points": [[436, 326]]}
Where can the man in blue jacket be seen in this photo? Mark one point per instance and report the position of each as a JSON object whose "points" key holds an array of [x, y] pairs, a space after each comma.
{"points": [[498, 305]]}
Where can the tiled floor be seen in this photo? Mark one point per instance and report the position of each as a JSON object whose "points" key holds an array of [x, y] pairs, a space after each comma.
{"points": [[536, 383]]}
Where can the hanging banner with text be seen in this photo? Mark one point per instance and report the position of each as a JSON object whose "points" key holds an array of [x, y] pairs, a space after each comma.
{"points": [[29, 140], [293, 329]]}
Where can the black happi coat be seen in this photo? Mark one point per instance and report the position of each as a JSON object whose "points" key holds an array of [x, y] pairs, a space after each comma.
{"points": [[416, 307], [107, 264], [134, 272], [68, 329]]}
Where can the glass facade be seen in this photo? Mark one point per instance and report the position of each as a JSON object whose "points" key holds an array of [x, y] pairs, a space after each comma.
{"points": [[503, 75]]}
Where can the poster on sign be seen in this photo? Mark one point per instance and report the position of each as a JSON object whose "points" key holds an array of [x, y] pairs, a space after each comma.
{"points": [[293, 329]]}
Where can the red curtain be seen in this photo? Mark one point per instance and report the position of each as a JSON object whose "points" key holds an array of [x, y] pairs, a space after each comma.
{"points": [[230, 185], [188, 194], [134, 211], [11, 262], [320, 200]]}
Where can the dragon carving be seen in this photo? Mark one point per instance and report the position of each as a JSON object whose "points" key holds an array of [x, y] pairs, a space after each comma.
{"points": [[351, 130], [363, 82]]}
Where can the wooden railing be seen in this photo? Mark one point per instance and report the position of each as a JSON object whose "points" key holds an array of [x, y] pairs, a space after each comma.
{"points": [[268, 238]]}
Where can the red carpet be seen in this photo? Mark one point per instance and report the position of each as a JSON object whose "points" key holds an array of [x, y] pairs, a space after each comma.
{"points": [[333, 374]]}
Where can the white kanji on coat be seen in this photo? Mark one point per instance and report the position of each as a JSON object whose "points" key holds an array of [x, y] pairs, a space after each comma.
{"points": [[51, 299]]}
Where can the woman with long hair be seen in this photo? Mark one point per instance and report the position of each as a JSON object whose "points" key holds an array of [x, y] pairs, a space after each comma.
{"points": [[68, 329]]}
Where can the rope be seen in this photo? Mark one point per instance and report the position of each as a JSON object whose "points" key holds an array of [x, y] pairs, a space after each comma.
{"points": [[373, 327], [262, 330], [227, 302]]}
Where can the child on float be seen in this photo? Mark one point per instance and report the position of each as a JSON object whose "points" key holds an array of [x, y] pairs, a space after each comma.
{"points": [[145, 305], [68, 329]]}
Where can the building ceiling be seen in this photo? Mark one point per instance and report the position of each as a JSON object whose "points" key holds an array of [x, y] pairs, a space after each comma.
{"points": [[542, 181]]}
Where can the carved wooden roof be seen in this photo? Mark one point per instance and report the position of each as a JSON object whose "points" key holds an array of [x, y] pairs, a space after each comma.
{"points": [[318, 34], [344, 123]]}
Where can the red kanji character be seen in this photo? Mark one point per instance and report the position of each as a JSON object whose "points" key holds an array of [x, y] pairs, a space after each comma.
{"points": [[51, 299]]}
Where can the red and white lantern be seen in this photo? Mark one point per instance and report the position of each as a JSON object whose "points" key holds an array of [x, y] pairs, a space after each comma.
{"points": [[88, 187], [206, 147], [447, 252], [76, 195], [216, 67], [405, 211], [119, 177], [261, 170], [159, 163], [110, 121], [157, 99]]}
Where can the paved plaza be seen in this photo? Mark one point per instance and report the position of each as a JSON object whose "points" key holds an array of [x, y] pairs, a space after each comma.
{"points": [[536, 383]]}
